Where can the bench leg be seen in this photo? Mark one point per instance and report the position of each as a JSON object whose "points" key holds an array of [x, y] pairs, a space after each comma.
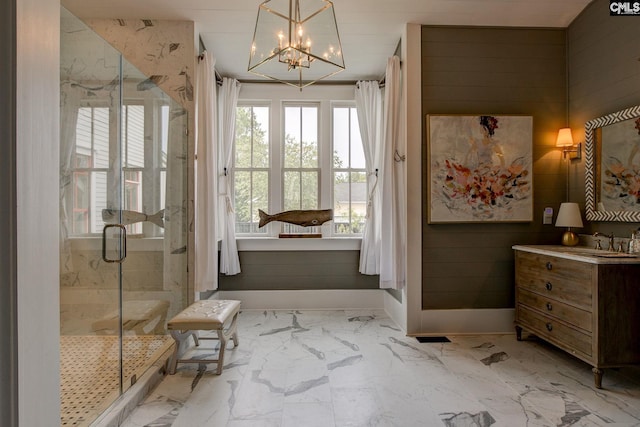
{"points": [[174, 356], [223, 337], [179, 338], [233, 330], [223, 346]]}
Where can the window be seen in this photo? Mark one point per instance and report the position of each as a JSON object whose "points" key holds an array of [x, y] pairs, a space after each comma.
{"points": [[133, 164], [349, 175], [251, 185], [81, 195], [90, 167], [300, 172], [295, 151], [143, 166]]}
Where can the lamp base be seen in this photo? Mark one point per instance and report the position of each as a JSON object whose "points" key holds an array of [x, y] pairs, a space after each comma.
{"points": [[569, 238]]}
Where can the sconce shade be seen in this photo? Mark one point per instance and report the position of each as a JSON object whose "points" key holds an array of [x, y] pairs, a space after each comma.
{"points": [[565, 139], [569, 216], [296, 42]]}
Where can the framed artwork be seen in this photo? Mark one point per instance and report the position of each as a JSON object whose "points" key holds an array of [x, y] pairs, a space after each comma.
{"points": [[480, 168], [619, 172]]}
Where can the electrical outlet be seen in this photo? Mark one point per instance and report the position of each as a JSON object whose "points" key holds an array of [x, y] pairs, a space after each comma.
{"points": [[547, 217]]}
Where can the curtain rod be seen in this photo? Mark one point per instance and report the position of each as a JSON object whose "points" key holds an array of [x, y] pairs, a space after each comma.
{"points": [[218, 76], [203, 48], [320, 83]]}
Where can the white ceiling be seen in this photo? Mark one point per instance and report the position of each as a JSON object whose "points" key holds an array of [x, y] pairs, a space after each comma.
{"points": [[370, 30]]}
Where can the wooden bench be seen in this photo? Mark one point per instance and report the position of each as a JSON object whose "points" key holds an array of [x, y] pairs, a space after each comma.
{"points": [[204, 315]]}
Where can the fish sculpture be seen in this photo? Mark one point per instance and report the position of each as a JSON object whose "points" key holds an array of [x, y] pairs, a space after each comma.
{"points": [[304, 218], [112, 216]]}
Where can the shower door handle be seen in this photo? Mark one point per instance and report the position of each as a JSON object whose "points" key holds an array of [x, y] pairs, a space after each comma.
{"points": [[123, 243]]}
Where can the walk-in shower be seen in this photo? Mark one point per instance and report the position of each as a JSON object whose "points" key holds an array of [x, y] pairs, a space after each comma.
{"points": [[123, 231]]}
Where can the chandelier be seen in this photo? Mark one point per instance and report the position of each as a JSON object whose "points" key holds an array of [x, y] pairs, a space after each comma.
{"points": [[296, 42]]}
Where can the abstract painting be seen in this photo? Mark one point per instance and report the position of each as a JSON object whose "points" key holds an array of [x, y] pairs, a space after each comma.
{"points": [[620, 166], [480, 168]]}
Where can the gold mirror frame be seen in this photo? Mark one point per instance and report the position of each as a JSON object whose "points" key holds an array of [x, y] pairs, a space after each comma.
{"points": [[593, 165]]}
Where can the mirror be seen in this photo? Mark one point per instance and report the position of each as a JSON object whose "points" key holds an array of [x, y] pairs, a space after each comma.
{"points": [[612, 176]]}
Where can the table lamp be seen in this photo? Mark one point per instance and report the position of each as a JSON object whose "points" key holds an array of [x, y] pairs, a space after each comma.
{"points": [[569, 216]]}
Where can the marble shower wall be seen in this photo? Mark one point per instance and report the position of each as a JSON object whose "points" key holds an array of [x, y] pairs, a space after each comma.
{"points": [[165, 52]]}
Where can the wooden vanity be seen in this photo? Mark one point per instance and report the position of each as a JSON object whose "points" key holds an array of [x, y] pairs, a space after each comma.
{"points": [[587, 305]]}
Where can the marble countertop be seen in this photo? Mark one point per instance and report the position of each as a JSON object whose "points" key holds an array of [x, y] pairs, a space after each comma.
{"points": [[581, 253]]}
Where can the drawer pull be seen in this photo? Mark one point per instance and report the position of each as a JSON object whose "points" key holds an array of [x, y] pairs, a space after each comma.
{"points": [[549, 306], [549, 327], [549, 265], [548, 285]]}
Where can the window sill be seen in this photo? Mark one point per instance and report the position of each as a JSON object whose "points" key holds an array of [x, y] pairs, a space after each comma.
{"points": [[246, 244]]}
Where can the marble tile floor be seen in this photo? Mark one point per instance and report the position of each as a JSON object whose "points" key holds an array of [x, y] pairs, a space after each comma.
{"points": [[357, 368]]}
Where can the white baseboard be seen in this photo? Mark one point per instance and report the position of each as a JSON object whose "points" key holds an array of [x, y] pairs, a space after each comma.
{"points": [[324, 299], [433, 322], [396, 310], [467, 321]]}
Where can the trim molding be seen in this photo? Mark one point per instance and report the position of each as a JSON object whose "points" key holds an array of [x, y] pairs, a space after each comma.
{"points": [[329, 299], [396, 310], [466, 321], [433, 322]]}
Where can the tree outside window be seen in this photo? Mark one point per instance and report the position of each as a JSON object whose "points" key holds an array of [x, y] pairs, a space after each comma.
{"points": [[251, 179], [304, 146], [349, 175]]}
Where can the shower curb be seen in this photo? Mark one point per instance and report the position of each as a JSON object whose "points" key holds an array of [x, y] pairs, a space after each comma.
{"points": [[117, 413]]}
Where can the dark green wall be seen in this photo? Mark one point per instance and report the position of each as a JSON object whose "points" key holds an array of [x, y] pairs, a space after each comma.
{"points": [[271, 270], [604, 76], [472, 70], [8, 217]]}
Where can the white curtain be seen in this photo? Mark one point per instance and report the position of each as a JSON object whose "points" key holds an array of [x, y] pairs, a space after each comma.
{"points": [[369, 108], [393, 198], [206, 179], [229, 261]]}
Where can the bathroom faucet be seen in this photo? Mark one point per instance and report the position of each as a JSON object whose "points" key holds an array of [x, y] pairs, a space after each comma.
{"points": [[608, 236]]}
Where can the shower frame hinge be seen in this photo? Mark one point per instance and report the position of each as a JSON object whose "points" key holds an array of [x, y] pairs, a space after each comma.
{"points": [[134, 379]]}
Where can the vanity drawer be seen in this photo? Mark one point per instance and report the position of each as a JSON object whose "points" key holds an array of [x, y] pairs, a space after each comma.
{"points": [[561, 279], [560, 334], [551, 307]]}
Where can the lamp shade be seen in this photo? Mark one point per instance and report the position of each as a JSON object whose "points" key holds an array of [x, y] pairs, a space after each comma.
{"points": [[569, 216], [565, 139]]}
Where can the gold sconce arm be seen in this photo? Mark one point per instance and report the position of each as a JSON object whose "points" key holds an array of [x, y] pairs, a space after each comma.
{"points": [[576, 150]]}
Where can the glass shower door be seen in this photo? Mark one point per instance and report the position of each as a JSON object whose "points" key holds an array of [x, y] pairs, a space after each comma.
{"points": [[123, 265], [90, 345], [153, 186]]}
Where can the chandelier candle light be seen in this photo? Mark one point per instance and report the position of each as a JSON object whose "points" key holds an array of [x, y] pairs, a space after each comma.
{"points": [[296, 42], [569, 216]]}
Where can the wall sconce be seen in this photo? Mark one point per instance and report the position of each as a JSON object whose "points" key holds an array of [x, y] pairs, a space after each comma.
{"points": [[565, 141], [569, 216]]}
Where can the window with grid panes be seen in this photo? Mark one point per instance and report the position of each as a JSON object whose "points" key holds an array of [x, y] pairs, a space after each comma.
{"points": [[251, 167]]}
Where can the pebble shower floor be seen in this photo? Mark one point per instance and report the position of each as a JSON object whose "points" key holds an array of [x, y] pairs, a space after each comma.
{"points": [[89, 374]]}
